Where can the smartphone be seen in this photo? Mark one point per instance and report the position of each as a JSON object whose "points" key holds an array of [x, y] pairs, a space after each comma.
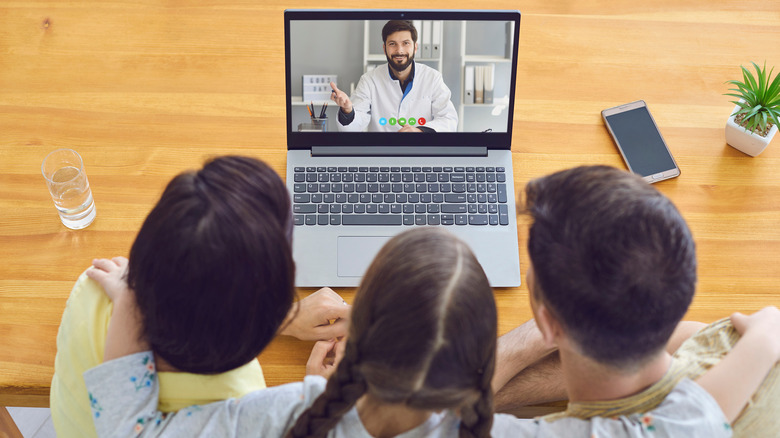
{"points": [[639, 141]]}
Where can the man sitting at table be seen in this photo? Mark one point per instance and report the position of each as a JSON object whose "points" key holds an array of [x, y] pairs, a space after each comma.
{"points": [[613, 270], [215, 248]]}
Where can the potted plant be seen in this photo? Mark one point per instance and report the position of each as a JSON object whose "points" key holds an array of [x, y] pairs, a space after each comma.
{"points": [[756, 117]]}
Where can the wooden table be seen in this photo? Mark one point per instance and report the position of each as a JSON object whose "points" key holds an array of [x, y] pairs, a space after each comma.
{"points": [[144, 91]]}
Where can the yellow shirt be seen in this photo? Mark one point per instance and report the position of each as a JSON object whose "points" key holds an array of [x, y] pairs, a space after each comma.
{"points": [[761, 417], [80, 345]]}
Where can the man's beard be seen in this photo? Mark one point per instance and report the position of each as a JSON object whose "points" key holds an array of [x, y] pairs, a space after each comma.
{"points": [[403, 65]]}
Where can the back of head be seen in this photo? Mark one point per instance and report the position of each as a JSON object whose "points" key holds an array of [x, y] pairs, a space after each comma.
{"points": [[394, 26], [422, 334], [212, 266], [613, 260]]}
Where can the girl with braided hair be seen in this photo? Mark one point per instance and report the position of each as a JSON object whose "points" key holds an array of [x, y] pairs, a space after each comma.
{"points": [[418, 362], [421, 346]]}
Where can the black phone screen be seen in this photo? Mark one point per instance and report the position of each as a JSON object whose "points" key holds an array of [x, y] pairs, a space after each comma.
{"points": [[640, 141]]}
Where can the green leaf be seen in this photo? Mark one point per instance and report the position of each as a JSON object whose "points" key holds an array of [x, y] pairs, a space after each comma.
{"points": [[748, 78]]}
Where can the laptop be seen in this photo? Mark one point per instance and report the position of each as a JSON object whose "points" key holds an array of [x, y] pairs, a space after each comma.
{"points": [[420, 136]]}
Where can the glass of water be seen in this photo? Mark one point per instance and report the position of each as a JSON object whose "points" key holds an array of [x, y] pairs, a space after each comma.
{"points": [[66, 178]]}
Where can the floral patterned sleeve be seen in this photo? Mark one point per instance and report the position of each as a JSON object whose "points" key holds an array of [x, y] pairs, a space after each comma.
{"points": [[123, 394]]}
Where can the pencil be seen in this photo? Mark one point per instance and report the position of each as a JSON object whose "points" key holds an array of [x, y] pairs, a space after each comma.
{"points": [[322, 111], [310, 113]]}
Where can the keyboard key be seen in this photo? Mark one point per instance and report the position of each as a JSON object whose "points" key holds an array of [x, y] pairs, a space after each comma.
{"points": [[363, 169], [501, 188], [384, 208], [301, 198], [385, 187], [353, 198], [365, 198], [420, 208], [384, 169], [311, 169], [438, 198], [480, 177], [322, 169], [472, 198], [299, 219], [407, 177], [299, 177], [445, 187], [311, 219], [421, 188], [300, 169], [322, 208], [427, 169], [352, 169], [377, 219], [396, 208], [335, 177], [316, 198], [492, 198], [324, 187], [503, 214], [414, 198], [447, 219], [492, 208], [395, 177], [304, 208], [408, 219], [433, 208], [493, 219], [478, 219], [458, 177], [376, 198], [341, 198], [342, 169], [371, 208], [323, 177], [473, 208], [335, 208], [433, 219], [490, 177], [471, 188], [384, 177], [395, 169], [361, 187], [433, 187], [436, 169], [470, 177], [461, 219], [453, 208], [360, 177], [333, 169], [406, 169], [371, 177], [490, 169], [469, 169], [500, 169], [420, 219], [491, 188], [401, 198], [419, 177], [299, 188], [447, 169], [425, 198], [347, 177], [501, 177], [337, 187], [480, 169], [459, 188], [347, 208], [398, 188], [460, 169], [443, 177], [373, 169], [373, 188], [455, 198], [481, 208], [430, 177], [360, 208], [322, 219], [408, 208]]}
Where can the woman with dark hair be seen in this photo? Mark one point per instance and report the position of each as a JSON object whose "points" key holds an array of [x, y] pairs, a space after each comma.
{"points": [[418, 362], [212, 276]]}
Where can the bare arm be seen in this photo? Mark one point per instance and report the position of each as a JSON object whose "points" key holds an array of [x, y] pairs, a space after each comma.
{"points": [[733, 380], [516, 351]]}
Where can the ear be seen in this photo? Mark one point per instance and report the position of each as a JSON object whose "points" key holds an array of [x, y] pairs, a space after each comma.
{"points": [[549, 326]]}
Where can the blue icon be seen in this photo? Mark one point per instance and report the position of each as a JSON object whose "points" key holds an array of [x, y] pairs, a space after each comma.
{"points": [[383, 121]]}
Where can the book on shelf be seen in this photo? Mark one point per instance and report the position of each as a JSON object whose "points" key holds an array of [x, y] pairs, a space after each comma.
{"points": [[479, 84], [468, 84], [489, 79]]}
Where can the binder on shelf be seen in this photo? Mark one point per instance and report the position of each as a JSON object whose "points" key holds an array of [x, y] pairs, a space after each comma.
{"points": [[479, 84], [468, 85], [489, 79], [436, 38], [418, 25], [426, 39]]}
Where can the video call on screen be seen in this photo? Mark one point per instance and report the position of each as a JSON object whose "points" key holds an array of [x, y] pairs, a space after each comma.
{"points": [[321, 51]]}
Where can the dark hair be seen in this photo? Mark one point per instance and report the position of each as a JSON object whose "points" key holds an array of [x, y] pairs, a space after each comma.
{"points": [[613, 260], [422, 334], [394, 26], [212, 265]]}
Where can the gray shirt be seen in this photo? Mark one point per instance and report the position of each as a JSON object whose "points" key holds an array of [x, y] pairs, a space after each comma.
{"points": [[123, 395]]}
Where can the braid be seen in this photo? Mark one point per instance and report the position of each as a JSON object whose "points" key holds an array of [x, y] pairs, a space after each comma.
{"points": [[477, 418], [344, 388]]}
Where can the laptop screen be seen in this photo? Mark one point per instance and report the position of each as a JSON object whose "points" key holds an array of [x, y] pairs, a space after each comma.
{"points": [[379, 78]]}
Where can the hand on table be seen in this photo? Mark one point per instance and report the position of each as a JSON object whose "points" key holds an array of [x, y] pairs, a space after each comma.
{"points": [[110, 275], [320, 316]]}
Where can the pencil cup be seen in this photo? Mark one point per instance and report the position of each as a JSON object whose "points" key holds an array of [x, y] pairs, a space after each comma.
{"points": [[66, 178], [320, 123]]}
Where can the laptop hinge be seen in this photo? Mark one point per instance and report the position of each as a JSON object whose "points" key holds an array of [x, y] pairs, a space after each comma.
{"points": [[398, 151]]}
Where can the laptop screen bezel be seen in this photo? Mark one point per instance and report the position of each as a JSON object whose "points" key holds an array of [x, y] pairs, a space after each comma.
{"points": [[491, 140]]}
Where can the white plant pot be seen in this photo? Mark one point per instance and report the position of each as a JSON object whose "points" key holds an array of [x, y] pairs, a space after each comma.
{"points": [[743, 140]]}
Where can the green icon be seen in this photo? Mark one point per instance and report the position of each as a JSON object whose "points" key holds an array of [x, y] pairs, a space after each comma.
{"points": [[412, 121], [392, 120], [401, 121]]}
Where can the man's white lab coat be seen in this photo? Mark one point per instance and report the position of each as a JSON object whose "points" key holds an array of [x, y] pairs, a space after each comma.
{"points": [[378, 96]]}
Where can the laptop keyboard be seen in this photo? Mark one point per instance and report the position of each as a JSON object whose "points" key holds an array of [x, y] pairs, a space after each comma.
{"points": [[400, 196]]}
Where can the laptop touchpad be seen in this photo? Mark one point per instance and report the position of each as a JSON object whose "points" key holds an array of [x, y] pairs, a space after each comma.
{"points": [[355, 253]]}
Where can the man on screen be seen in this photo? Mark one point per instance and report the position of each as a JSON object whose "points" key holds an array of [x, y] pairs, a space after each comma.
{"points": [[400, 96]]}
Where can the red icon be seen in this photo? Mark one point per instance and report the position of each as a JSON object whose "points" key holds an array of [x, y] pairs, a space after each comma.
{"points": [[421, 121]]}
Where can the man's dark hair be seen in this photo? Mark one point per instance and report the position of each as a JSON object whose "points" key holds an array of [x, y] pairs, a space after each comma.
{"points": [[394, 26], [613, 261], [212, 265]]}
